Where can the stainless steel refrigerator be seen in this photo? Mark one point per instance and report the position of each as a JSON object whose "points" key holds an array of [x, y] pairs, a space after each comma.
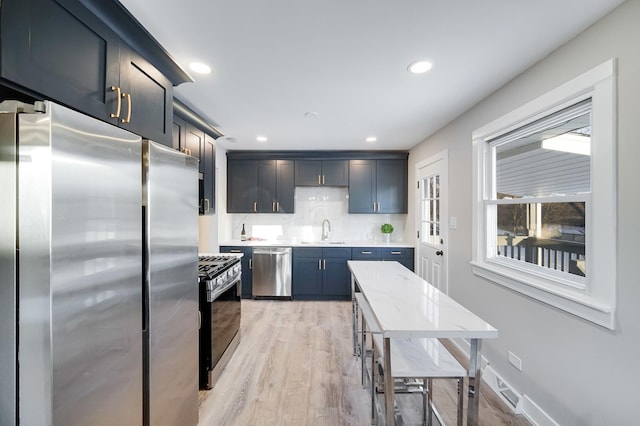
{"points": [[98, 273]]}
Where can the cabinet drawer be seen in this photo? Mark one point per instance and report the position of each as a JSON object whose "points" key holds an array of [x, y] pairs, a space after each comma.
{"points": [[391, 253], [315, 252], [364, 253], [344, 252]]}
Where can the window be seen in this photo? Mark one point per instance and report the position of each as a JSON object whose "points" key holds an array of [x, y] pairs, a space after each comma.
{"points": [[545, 193]]}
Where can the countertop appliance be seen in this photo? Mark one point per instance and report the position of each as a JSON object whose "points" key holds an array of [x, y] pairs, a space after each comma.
{"points": [[98, 256], [220, 310], [271, 272]]}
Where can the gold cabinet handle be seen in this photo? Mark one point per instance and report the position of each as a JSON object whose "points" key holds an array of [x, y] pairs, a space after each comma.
{"points": [[128, 119], [119, 104], [273, 206], [319, 181], [255, 206], [319, 263], [277, 206], [323, 179], [251, 263], [324, 264], [206, 203]]}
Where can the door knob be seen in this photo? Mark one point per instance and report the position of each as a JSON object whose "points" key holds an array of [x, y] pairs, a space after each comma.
{"points": [[439, 253]]}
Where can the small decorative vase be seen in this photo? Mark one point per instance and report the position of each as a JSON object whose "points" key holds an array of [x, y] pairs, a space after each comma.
{"points": [[386, 238]]}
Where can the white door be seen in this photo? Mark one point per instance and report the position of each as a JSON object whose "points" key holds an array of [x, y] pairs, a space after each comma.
{"points": [[432, 220]]}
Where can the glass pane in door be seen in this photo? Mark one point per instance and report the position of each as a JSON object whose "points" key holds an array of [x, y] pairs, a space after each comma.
{"points": [[430, 217]]}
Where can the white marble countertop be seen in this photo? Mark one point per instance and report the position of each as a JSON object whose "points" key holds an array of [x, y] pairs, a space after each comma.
{"points": [[407, 306], [330, 243]]}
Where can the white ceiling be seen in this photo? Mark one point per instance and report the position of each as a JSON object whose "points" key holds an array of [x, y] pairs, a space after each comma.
{"points": [[347, 60]]}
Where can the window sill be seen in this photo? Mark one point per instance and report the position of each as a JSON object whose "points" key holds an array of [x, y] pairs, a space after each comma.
{"points": [[574, 302]]}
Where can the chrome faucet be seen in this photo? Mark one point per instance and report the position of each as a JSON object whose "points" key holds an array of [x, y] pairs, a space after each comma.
{"points": [[325, 234]]}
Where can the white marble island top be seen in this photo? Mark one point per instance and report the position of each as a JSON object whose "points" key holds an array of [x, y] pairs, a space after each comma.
{"points": [[407, 306]]}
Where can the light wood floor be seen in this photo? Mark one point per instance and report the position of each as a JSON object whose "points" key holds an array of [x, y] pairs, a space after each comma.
{"points": [[294, 366]]}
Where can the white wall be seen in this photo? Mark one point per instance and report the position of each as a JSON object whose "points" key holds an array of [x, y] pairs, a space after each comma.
{"points": [[577, 372]]}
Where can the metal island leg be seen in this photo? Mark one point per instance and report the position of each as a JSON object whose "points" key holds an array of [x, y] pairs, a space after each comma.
{"points": [[473, 396], [389, 386]]}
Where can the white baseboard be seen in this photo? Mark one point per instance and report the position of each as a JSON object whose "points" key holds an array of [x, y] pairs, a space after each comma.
{"points": [[519, 403], [535, 414]]}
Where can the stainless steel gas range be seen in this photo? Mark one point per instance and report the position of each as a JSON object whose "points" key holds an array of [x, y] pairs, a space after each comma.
{"points": [[220, 301]]}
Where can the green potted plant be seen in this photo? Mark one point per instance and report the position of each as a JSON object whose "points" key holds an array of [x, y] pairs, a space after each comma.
{"points": [[386, 230]]}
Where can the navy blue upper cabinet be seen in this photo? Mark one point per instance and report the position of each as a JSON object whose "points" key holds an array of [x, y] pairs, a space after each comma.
{"points": [[147, 98], [209, 178], [362, 186], [194, 144], [378, 186], [322, 173], [59, 50], [62, 52], [242, 186], [285, 187], [179, 134], [260, 186], [391, 186]]}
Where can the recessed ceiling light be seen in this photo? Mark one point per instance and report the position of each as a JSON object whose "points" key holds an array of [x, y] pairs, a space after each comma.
{"points": [[200, 68], [311, 114], [262, 139], [419, 67], [371, 139]]}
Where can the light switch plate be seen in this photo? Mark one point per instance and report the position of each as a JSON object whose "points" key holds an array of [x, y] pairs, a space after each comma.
{"points": [[453, 222]]}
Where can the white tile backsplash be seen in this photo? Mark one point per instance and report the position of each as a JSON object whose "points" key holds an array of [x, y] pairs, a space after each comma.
{"points": [[312, 206]]}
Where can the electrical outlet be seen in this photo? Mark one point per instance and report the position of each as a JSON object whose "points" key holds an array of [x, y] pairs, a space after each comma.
{"points": [[515, 360]]}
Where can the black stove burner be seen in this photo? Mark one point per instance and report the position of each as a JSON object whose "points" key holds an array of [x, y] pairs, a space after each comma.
{"points": [[210, 267]]}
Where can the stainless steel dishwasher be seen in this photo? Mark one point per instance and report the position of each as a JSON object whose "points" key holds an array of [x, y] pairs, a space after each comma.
{"points": [[272, 272]]}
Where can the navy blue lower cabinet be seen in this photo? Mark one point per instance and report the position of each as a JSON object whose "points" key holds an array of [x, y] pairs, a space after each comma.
{"points": [[307, 278], [247, 265], [365, 253], [336, 279], [321, 273], [402, 255]]}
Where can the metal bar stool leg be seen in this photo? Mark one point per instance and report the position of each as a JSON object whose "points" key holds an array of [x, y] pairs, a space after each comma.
{"points": [[363, 352], [429, 385], [460, 399], [374, 375]]}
